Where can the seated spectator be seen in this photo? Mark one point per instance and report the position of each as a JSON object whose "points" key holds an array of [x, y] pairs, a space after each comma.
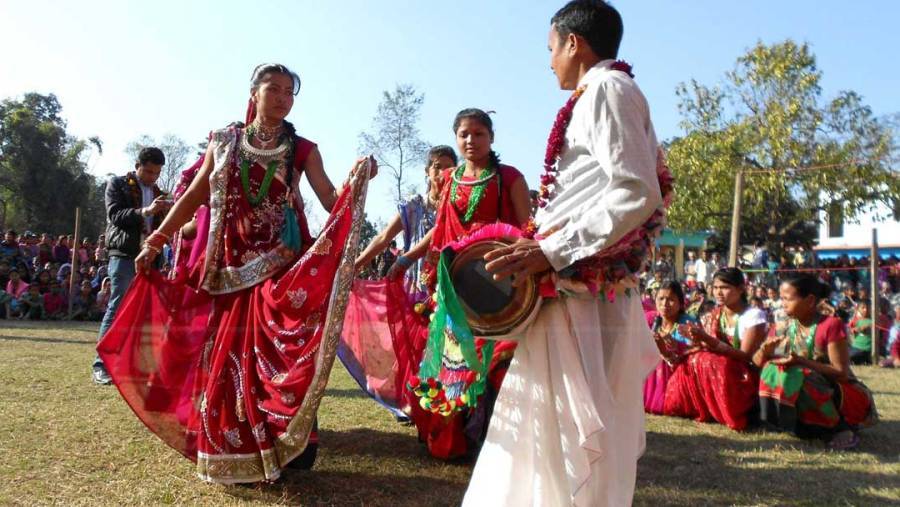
{"points": [[101, 255], [861, 335], [845, 309], [705, 308], [28, 247], [99, 276], [45, 249], [61, 252], [84, 303], [43, 281], [698, 297], [656, 282], [84, 253], [671, 343], [4, 274], [56, 304], [5, 300], [103, 295], [63, 272], [717, 381], [31, 304], [16, 288], [810, 390], [10, 250], [757, 302], [893, 342]]}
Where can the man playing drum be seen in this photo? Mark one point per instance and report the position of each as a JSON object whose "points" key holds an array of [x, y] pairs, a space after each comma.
{"points": [[568, 426]]}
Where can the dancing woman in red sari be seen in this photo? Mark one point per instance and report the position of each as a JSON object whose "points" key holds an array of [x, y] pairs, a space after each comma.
{"points": [[481, 191], [228, 362], [719, 382]]}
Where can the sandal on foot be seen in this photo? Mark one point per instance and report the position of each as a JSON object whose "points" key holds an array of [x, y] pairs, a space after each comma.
{"points": [[844, 441]]}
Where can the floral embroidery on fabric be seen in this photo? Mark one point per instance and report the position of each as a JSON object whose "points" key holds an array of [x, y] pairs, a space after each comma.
{"points": [[322, 247], [297, 297], [259, 432], [288, 398], [233, 436], [313, 321]]}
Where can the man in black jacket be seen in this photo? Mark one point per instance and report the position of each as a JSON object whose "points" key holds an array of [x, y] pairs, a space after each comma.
{"points": [[135, 207]]}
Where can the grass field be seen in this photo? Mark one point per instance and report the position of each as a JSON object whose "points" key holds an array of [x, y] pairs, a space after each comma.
{"points": [[66, 441]]}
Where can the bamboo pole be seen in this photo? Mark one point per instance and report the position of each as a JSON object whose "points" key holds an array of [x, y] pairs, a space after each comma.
{"points": [[679, 260], [875, 297], [736, 219], [75, 258]]}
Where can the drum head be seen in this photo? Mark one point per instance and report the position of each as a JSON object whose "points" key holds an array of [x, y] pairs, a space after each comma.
{"points": [[492, 307]]}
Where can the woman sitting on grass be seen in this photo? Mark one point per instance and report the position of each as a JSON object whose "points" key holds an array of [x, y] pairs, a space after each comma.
{"points": [[861, 331], [672, 344], [810, 390], [719, 382], [56, 302]]}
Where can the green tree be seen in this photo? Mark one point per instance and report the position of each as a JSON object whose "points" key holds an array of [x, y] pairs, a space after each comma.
{"points": [[43, 172], [367, 232], [394, 137], [801, 154]]}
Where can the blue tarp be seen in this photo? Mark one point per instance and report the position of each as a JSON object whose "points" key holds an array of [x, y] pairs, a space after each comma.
{"points": [[693, 240], [856, 253]]}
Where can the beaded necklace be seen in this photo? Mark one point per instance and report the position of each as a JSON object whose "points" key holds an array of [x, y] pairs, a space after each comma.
{"points": [[248, 151], [733, 331], [478, 188], [798, 340]]}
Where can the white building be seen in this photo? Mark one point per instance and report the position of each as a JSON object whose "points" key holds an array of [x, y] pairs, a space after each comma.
{"points": [[854, 238]]}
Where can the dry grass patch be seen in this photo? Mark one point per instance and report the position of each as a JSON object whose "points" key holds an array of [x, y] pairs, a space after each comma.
{"points": [[66, 441]]}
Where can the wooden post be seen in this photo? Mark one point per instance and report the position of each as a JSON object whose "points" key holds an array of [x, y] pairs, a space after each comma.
{"points": [[875, 297], [679, 260], [736, 219], [75, 258]]}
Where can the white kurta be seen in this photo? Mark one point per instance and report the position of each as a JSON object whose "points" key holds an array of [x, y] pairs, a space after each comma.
{"points": [[568, 425]]}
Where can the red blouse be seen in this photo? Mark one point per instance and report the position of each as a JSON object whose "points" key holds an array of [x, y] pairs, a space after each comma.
{"points": [[492, 208], [830, 330], [252, 231]]}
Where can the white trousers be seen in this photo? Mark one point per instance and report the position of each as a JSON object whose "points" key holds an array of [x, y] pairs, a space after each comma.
{"points": [[568, 425]]}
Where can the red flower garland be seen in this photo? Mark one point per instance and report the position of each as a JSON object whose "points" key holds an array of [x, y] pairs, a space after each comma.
{"points": [[557, 139], [606, 269]]}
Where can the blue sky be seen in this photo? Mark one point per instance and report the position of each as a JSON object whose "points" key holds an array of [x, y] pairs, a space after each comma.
{"points": [[126, 68]]}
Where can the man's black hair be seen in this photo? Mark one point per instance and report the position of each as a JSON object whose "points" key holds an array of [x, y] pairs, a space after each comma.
{"points": [[151, 155], [596, 21]]}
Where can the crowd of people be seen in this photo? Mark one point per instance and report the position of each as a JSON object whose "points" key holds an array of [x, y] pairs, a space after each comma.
{"points": [[36, 274], [227, 359], [848, 280], [772, 347]]}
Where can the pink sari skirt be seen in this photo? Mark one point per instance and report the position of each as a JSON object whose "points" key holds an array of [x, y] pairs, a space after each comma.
{"points": [[655, 388]]}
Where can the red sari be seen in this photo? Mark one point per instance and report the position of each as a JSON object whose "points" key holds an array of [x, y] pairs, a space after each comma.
{"points": [[462, 432], [711, 387], [228, 363]]}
